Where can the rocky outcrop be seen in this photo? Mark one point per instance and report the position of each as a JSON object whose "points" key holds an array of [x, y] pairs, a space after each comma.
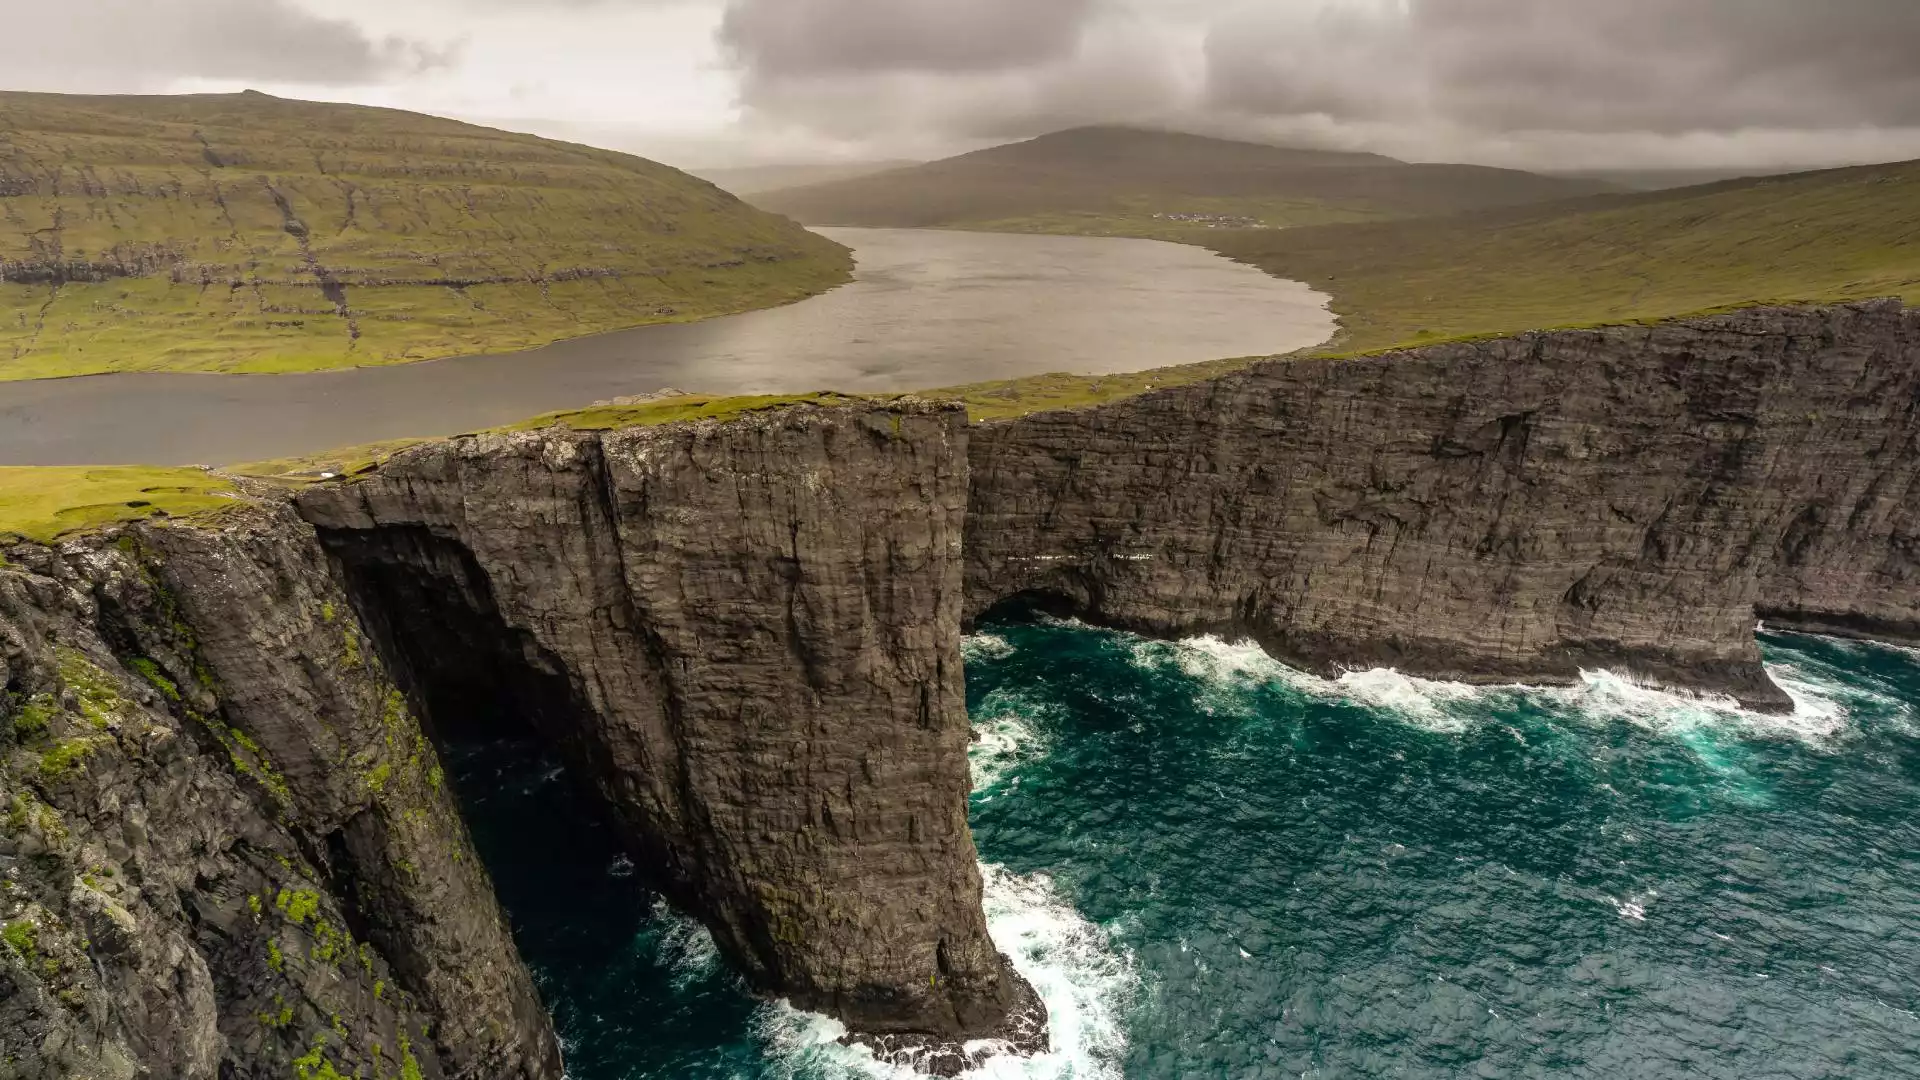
{"points": [[228, 851], [1491, 511], [745, 636]]}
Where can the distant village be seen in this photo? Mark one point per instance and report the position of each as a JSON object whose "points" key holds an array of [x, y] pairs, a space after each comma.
{"points": [[1216, 221]]}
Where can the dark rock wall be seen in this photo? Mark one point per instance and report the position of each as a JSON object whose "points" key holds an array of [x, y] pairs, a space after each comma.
{"points": [[1511, 509], [745, 636], [227, 850]]}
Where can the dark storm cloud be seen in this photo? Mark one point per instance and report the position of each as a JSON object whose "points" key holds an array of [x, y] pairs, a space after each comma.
{"points": [[102, 45], [1518, 80], [1666, 66], [786, 38]]}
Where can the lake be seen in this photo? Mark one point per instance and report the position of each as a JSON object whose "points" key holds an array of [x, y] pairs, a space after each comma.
{"points": [[926, 309]]}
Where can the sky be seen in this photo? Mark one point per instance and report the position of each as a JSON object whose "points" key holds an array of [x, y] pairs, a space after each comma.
{"points": [[1552, 84]]}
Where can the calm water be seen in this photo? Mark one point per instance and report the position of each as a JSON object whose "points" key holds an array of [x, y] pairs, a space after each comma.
{"points": [[926, 309], [1215, 866]]}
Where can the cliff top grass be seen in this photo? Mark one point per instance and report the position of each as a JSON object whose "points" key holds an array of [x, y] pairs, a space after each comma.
{"points": [[42, 504], [242, 232], [669, 410]]}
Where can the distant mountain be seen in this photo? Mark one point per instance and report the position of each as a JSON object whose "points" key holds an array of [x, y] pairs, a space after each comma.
{"points": [[753, 179], [243, 232], [1070, 180]]}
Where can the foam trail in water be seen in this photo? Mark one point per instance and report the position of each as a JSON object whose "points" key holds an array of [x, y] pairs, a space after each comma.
{"points": [[1000, 743], [1227, 670], [975, 648], [686, 948], [1086, 982], [1826, 704]]}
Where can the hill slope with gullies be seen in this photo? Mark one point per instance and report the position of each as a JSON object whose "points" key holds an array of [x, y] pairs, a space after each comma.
{"points": [[1816, 237], [242, 232], [1138, 182]]}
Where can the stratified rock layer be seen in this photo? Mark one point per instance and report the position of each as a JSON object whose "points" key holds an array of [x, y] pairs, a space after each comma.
{"points": [[746, 636], [1499, 510], [227, 849]]}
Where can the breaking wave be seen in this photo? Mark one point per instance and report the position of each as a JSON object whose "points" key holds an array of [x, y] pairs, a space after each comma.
{"points": [[1828, 701]]}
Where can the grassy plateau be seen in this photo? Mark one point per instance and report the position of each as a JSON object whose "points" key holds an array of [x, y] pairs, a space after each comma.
{"points": [[42, 503], [244, 232]]}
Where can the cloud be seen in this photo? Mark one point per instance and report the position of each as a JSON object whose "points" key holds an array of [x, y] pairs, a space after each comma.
{"points": [[1512, 81], [108, 45], [785, 38], [1668, 67]]}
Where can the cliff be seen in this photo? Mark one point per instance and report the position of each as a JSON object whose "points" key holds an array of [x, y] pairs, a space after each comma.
{"points": [[227, 848], [1502, 510], [745, 637]]}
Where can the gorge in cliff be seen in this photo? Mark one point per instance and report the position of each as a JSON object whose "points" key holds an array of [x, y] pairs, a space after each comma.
{"points": [[231, 847]]}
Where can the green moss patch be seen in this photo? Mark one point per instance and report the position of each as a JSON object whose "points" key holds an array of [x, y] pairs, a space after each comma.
{"points": [[43, 504]]}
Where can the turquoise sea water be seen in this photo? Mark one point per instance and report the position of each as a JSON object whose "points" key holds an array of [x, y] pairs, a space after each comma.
{"points": [[1212, 865]]}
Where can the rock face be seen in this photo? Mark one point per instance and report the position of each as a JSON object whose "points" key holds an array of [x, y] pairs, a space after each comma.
{"points": [[227, 848], [746, 636], [1502, 510]]}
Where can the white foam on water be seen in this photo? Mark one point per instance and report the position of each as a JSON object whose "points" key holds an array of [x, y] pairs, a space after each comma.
{"points": [[975, 648], [1006, 735], [1086, 981], [1635, 907], [1825, 707], [1001, 743], [1233, 667], [686, 948], [1817, 718]]}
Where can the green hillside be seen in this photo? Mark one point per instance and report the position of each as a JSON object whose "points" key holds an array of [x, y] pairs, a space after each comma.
{"points": [[1841, 234], [249, 233], [1127, 181]]}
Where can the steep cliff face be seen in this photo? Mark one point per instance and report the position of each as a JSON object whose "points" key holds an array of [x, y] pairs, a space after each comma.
{"points": [[1512, 509], [227, 848], [745, 636]]}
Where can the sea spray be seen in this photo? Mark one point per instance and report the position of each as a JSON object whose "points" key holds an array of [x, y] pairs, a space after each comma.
{"points": [[1212, 864], [1379, 874]]}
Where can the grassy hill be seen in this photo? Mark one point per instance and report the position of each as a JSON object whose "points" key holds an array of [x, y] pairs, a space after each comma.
{"points": [[1842, 234], [1114, 180], [249, 233]]}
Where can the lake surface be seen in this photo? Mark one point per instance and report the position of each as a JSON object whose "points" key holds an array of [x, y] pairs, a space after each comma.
{"points": [[1213, 865], [926, 309]]}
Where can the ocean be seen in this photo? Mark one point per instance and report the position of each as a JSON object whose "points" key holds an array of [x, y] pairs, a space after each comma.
{"points": [[1213, 865]]}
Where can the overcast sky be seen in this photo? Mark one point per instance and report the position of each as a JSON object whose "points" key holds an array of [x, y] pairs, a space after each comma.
{"points": [[1530, 83]]}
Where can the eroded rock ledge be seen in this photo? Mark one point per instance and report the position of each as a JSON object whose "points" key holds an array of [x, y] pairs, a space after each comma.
{"points": [[226, 847]]}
